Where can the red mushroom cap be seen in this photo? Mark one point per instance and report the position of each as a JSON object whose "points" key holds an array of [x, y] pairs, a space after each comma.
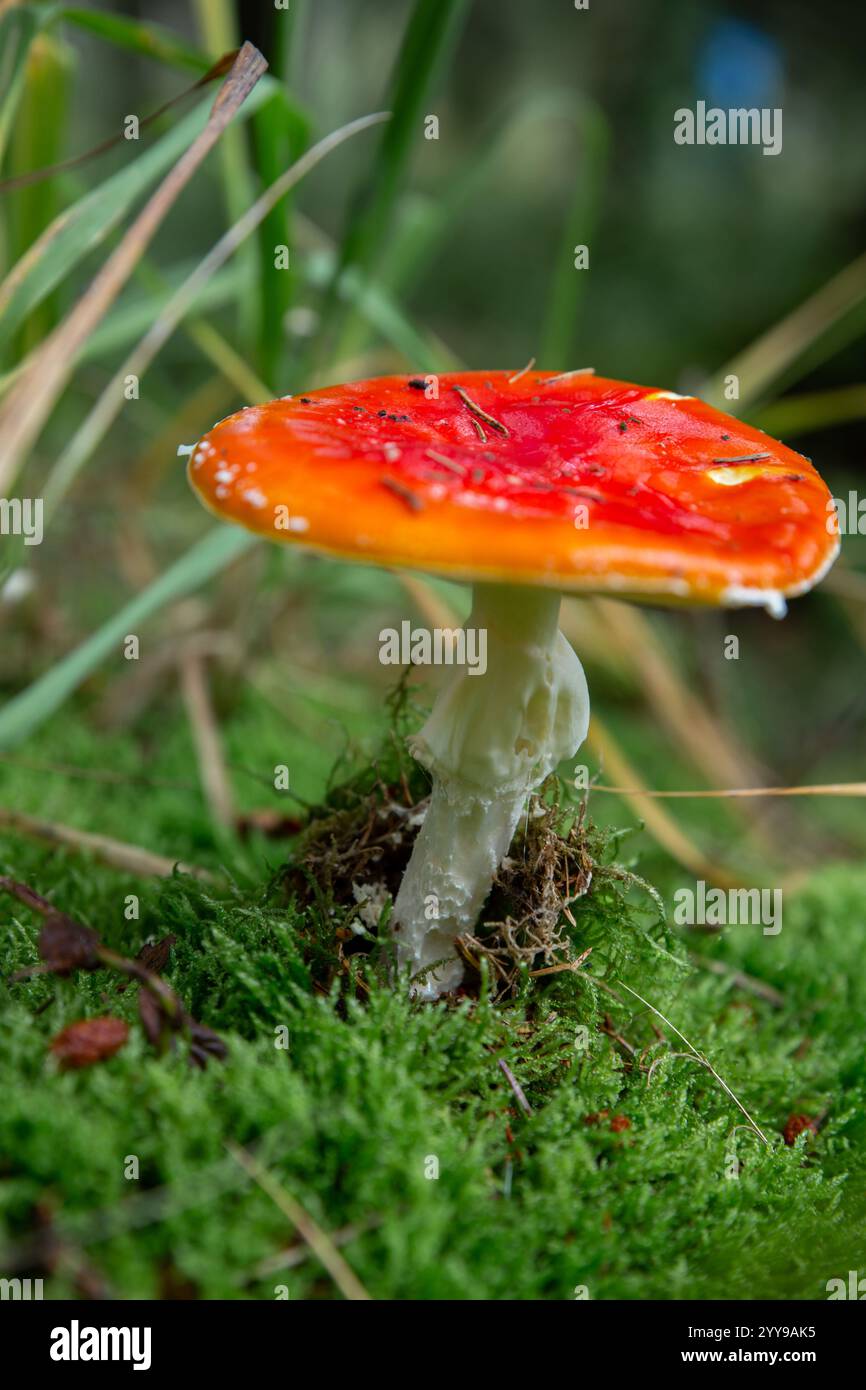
{"points": [[570, 481]]}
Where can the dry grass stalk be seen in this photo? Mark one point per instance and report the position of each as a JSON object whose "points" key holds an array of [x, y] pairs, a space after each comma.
{"points": [[31, 400]]}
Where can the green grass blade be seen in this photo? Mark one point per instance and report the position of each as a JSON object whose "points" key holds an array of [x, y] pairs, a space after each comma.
{"points": [[431, 31], [424, 224], [25, 712], [281, 134], [828, 319], [814, 410], [379, 311], [566, 289], [137, 311], [27, 406], [147, 40], [37, 142], [18, 29], [110, 402], [290, 35], [218, 27], [86, 225], [131, 318]]}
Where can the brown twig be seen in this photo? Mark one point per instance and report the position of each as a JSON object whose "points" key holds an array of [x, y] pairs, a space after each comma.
{"points": [[66, 946], [130, 859], [477, 411], [573, 965], [412, 500], [206, 736], [219, 69], [515, 1086]]}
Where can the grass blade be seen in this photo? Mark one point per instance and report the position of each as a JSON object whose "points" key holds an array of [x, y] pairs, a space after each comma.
{"points": [[129, 319], [664, 829], [431, 31], [146, 40], [281, 134], [218, 28], [219, 548], [110, 402], [813, 410], [31, 399], [425, 224], [83, 227], [382, 313], [118, 854], [567, 283], [700, 1057], [18, 29], [37, 140], [319, 1241], [762, 365]]}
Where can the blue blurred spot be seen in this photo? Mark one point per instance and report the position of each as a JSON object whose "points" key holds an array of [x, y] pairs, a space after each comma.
{"points": [[738, 65]]}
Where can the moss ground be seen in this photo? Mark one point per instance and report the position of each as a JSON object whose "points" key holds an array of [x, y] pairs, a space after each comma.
{"points": [[395, 1120]]}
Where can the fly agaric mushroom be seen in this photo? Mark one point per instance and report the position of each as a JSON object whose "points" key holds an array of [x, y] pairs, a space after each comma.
{"points": [[527, 486]]}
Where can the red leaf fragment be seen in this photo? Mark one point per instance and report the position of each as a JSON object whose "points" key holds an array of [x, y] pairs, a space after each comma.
{"points": [[794, 1127], [89, 1040]]}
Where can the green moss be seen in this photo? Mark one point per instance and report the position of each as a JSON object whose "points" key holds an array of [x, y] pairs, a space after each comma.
{"points": [[372, 1089]]}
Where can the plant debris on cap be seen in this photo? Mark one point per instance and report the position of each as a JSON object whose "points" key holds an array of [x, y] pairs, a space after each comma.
{"points": [[565, 480]]}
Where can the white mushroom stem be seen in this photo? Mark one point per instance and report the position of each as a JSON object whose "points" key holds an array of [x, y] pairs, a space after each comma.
{"points": [[490, 740]]}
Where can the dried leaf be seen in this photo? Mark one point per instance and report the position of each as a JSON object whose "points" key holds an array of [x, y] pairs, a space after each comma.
{"points": [[276, 825], [155, 957], [128, 858], [65, 945], [153, 1020], [204, 1044], [89, 1040]]}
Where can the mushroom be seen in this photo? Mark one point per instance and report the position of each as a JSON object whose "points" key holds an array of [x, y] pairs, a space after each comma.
{"points": [[527, 486]]}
